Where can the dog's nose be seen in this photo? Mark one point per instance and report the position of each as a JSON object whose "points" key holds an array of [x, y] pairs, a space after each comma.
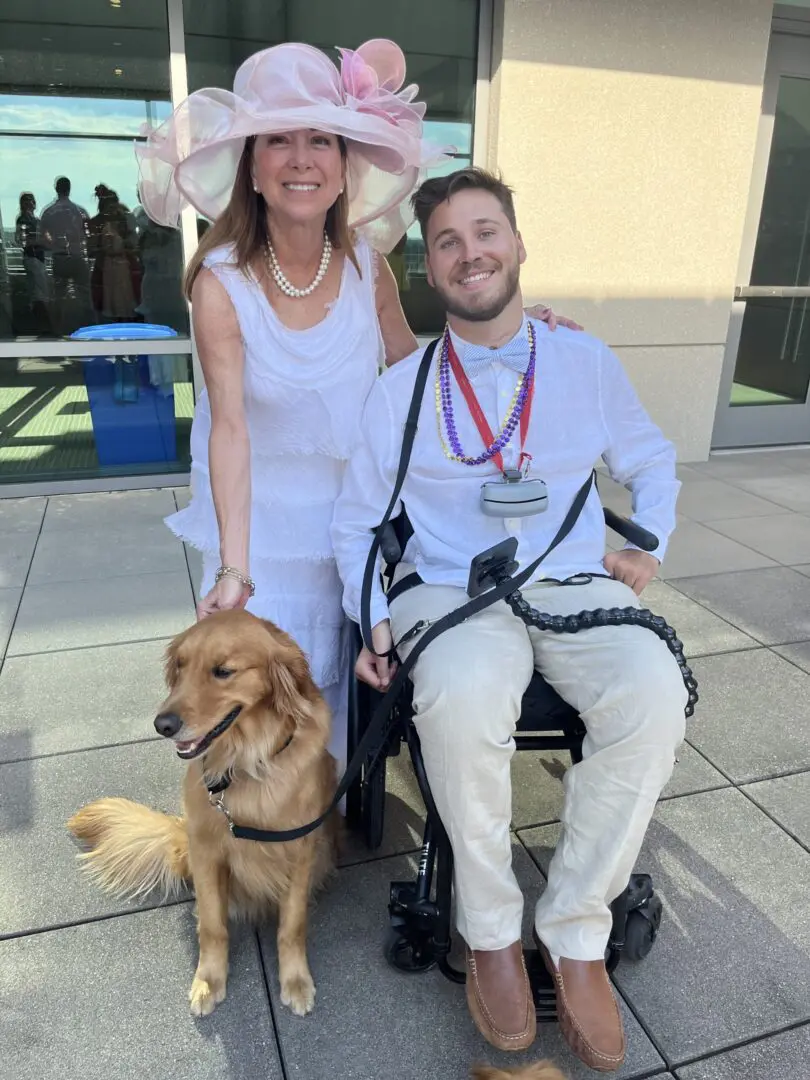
{"points": [[168, 724]]}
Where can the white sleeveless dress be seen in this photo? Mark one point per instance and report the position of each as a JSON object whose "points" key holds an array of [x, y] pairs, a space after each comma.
{"points": [[304, 393]]}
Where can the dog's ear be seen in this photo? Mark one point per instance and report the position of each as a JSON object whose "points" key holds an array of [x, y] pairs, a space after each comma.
{"points": [[289, 680], [170, 663]]}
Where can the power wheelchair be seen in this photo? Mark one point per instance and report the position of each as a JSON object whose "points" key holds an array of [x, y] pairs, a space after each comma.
{"points": [[420, 936]]}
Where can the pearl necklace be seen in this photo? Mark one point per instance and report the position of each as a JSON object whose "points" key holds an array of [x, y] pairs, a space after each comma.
{"points": [[284, 282]]}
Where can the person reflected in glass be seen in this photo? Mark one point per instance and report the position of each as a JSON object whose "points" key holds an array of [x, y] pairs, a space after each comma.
{"points": [[112, 244], [64, 231], [27, 235]]}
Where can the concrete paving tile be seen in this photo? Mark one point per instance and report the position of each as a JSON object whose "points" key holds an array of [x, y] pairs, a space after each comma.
{"points": [[107, 509], [780, 1057], [182, 497], [73, 614], [424, 1017], [16, 551], [109, 1001], [21, 517], [752, 720], [106, 553], [701, 631], [798, 654], [770, 605], [692, 773], [695, 549], [805, 569], [707, 499], [9, 602], [537, 791], [789, 490], [42, 884], [783, 537], [787, 799], [81, 698], [737, 468], [732, 960]]}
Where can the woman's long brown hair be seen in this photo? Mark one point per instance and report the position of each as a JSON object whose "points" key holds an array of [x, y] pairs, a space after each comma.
{"points": [[243, 223]]}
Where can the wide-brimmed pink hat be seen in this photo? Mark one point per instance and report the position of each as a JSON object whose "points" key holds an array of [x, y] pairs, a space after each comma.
{"points": [[192, 158]]}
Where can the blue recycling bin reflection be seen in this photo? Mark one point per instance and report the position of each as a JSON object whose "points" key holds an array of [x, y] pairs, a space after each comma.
{"points": [[131, 398]]}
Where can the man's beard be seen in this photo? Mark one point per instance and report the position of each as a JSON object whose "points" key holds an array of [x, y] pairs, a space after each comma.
{"points": [[480, 309]]}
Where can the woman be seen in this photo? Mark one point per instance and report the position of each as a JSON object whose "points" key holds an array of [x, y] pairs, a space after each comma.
{"points": [[304, 170], [28, 236]]}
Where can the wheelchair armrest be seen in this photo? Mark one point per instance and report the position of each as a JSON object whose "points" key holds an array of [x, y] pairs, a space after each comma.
{"points": [[390, 547], [637, 535]]}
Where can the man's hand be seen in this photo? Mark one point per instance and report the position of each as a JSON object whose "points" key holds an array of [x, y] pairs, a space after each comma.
{"points": [[634, 568], [546, 315], [377, 671]]}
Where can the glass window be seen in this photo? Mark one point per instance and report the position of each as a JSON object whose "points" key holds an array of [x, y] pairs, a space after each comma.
{"points": [[78, 79], [89, 416], [440, 42], [77, 84]]}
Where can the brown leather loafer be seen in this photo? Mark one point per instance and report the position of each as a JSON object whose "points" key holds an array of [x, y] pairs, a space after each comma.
{"points": [[499, 997], [587, 1011]]}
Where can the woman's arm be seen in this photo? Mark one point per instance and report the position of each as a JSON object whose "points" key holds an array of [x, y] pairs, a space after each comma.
{"points": [[219, 345], [398, 339]]}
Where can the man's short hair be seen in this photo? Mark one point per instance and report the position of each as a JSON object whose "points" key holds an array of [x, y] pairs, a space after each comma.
{"points": [[439, 189], [62, 185]]}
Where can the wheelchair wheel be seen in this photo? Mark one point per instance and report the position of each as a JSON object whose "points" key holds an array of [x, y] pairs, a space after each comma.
{"points": [[409, 956], [373, 805], [642, 929], [358, 710]]}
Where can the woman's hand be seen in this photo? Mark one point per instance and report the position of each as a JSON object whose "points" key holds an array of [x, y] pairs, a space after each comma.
{"points": [[227, 594], [546, 315]]}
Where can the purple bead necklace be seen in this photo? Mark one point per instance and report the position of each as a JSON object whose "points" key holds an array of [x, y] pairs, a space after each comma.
{"points": [[444, 407]]}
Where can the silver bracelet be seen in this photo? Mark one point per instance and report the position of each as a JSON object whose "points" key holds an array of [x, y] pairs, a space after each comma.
{"points": [[232, 571]]}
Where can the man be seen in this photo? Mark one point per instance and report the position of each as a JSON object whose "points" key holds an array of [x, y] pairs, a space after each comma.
{"points": [[65, 228], [469, 682]]}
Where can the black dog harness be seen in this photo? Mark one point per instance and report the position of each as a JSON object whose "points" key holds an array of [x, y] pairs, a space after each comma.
{"points": [[505, 585]]}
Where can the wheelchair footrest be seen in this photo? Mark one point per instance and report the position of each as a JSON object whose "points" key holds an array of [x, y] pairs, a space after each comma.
{"points": [[542, 987]]}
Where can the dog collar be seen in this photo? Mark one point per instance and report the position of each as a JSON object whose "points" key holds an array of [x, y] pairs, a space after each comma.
{"points": [[216, 787]]}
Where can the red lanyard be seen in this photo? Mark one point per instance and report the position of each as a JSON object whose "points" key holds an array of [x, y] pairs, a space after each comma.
{"points": [[477, 413]]}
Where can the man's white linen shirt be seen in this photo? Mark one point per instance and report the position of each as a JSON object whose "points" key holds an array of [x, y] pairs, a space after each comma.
{"points": [[584, 410]]}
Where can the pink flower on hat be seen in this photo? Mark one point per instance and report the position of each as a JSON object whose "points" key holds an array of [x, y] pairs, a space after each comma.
{"points": [[372, 77]]}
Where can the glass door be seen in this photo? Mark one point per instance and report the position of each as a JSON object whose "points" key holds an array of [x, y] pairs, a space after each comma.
{"points": [[766, 375]]}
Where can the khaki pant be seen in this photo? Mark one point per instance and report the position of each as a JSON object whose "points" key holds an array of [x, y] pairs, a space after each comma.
{"points": [[468, 686]]}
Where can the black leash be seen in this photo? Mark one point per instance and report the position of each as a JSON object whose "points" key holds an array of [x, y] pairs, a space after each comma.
{"points": [[408, 436], [380, 722], [382, 714]]}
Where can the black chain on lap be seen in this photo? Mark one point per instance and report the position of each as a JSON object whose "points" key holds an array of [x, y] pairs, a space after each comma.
{"points": [[629, 616]]}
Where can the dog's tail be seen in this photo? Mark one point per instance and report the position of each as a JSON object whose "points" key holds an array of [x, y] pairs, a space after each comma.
{"points": [[133, 850], [539, 1070]]}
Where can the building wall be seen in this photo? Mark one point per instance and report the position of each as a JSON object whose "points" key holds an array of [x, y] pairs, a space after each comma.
{"points": [[627, 128]]}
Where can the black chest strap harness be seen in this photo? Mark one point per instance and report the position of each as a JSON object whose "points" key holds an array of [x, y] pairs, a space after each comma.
{"points": [[492, 579]]}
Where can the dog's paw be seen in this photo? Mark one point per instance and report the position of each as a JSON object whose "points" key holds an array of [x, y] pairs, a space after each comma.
{"points": [[298, 993], [205, 996]]}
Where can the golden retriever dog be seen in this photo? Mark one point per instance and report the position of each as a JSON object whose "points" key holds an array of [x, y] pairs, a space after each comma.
{"points": [[540, 1070], [241, 705]]}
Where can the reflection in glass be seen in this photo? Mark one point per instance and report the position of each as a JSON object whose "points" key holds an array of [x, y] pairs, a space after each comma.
{"points": [[74, 417], [79, 79], [773, 360]]}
